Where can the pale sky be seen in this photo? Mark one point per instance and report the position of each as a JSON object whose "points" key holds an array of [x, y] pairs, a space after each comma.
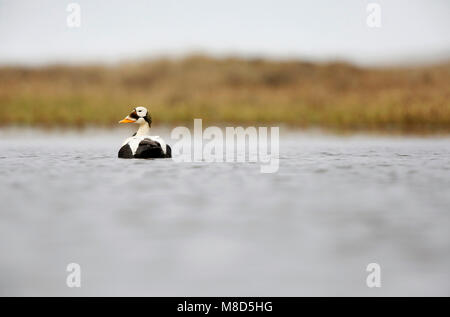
{"points": [[36, 32]]}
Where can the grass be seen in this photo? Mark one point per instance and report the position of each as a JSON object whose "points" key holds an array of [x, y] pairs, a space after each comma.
{"points": [[334, 96]]}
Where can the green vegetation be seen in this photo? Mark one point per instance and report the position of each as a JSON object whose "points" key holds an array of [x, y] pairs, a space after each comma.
{"points": [[334, 96]]}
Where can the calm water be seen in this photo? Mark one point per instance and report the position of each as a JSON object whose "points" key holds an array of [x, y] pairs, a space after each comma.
{"points": [[164, 228]]}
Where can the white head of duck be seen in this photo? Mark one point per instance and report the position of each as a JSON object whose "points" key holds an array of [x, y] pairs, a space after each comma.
{"points": [[141, 116]]}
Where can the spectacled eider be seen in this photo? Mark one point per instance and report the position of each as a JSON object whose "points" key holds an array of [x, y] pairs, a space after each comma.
{"points": [[141, 144]]}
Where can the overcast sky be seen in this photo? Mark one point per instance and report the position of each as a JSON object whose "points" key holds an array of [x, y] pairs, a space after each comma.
{"points": [[36, 32]]}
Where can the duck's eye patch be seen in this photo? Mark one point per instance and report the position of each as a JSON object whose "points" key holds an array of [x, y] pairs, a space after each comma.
{"points": [[134, 115]]}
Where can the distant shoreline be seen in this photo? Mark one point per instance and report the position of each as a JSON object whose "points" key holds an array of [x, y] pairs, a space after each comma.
{"points": [[336, 97]]}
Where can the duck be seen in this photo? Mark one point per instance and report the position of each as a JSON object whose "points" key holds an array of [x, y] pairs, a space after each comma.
{"points": [[142, 145]]}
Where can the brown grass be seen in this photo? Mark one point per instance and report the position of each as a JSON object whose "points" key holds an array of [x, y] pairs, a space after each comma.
{"points": [[335, 96]]}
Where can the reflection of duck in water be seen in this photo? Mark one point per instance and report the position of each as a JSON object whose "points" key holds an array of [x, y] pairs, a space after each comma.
{"points": [[141, 144]]}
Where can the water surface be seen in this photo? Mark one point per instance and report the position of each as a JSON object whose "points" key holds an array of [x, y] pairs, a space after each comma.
{"points": [[156, 227]]}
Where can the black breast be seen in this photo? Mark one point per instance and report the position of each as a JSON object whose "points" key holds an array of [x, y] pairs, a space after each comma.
{"points": [[125, 152], [149, 149]]}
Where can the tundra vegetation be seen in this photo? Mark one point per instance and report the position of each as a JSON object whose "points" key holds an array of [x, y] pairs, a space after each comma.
{"points": [[334, 96]]}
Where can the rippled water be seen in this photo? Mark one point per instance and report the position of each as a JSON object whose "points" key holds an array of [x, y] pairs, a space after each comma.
{"points": [[156, 227]]}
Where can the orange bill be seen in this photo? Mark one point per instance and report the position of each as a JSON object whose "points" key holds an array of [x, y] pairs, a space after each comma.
{"points": [[127, 120]]}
